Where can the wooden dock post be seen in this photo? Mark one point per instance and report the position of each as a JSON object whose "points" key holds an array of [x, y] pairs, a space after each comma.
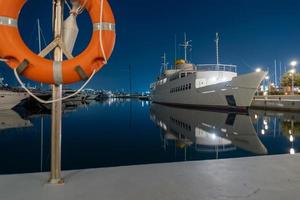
{"points": [[55, 175]]}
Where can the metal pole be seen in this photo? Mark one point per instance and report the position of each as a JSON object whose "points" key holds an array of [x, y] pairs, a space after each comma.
{"points": [[42, 118], [293, 84], [275, 72], [217, 48], [55, 176], [280, 73]]}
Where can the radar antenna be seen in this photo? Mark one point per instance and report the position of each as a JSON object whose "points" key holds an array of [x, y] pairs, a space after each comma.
{"points": [[186, 45]]}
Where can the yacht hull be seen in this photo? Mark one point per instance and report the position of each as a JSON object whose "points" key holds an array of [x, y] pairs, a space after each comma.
{"points": [[236, 94]]}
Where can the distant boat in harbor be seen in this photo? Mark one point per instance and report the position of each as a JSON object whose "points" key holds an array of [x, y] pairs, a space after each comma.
{"points": [[206, 85], [9, 97]]}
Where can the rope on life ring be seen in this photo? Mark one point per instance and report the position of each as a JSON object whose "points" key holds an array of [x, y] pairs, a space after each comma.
{"points": [[82, 87]]}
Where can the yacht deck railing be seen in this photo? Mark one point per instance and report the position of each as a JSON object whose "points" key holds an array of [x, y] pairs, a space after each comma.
{"points": [[216, 67]]}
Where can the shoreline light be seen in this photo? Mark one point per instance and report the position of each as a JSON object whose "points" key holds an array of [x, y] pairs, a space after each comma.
{"points": [[292, 151]]}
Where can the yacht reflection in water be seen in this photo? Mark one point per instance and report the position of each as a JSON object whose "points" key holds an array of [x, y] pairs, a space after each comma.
{"points": [[208, 131]]}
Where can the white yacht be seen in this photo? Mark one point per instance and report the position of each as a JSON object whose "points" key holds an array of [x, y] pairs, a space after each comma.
{"points": [[208, 131], [207, 85], [9, 98]]}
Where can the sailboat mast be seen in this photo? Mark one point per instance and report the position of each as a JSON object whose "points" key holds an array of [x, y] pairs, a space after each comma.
{"points": [[175, 50], [39, 34], [39, 38]]}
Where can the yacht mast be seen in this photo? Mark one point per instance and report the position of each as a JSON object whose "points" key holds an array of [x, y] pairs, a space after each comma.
{"points": [[186, 45], [164, 64], [217, 48]]}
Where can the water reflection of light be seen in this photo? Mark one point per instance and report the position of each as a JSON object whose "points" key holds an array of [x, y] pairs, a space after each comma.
{"points": [[224, 130], [263, 132], [292, 151], [266, 127], [265, 122], [164, 127], [291, 138], [256, 116]]}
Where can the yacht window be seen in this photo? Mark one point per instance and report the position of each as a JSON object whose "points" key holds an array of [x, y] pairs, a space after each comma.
{"points": [[190, 86], [186, 86], [200, 83], [182, 75]]}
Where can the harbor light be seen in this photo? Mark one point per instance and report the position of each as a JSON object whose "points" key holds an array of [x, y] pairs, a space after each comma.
{"points": [[267, 77], [294, 63], [258, 70], [214, 137], [292, 151]]}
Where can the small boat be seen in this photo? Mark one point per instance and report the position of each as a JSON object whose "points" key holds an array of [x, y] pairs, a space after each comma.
{"points": [[10, 97]]}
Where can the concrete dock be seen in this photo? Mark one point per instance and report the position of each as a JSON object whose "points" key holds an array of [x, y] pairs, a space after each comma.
{"points": [[268, 177], [277, 102]]}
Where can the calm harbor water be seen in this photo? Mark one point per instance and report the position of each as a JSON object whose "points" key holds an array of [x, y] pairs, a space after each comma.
{"points": [[128, 132]]}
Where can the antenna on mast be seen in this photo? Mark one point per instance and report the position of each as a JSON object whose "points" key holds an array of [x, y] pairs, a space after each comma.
{"points": [[217, 48], [186, 45], [164, 64]]}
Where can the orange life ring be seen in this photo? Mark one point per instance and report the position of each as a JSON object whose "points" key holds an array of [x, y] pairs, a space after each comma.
{"points": [[15, 51]]}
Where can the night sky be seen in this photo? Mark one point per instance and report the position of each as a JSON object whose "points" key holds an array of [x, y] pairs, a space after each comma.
{"points": [[253, 33]]}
